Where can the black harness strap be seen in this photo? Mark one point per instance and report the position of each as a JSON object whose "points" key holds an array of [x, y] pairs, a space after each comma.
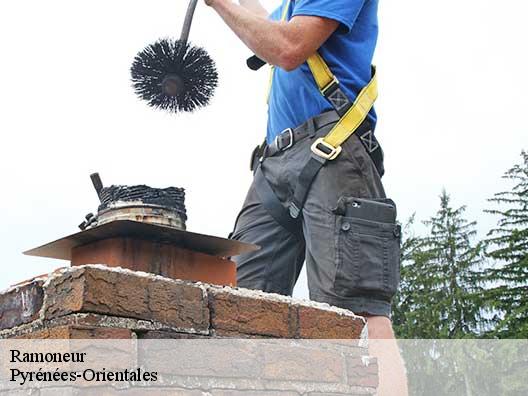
{"points": [[310, 171], [272, 204], [306, 178]]}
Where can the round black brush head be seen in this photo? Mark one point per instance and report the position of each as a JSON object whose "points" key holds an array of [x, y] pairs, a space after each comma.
{"points": [[175, 76]]}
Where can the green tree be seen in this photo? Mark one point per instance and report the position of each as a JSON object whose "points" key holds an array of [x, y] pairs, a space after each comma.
{"points": [[507, 245], [441, 292], [411, 316]]}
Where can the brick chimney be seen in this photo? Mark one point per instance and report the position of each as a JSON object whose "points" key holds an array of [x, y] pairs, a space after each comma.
{"points": [[95, 301]]}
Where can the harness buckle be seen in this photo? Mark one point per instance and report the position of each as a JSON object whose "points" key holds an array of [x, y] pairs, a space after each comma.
{"points": [[325, 150], [257, 156], [333, 83], [294, 210], [278, 139]]}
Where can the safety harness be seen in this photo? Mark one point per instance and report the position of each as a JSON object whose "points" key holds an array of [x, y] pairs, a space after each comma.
{"points": [[351, 115]]}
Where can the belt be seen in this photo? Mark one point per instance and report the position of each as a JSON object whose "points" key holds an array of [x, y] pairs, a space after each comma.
{"points": [[287, 138], [290, 136]]}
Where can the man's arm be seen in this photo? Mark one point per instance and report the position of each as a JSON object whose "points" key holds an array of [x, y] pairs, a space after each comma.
{"points": [[283, 44], [255, 7]]}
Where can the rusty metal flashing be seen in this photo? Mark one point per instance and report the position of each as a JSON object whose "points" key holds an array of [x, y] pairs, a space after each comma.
{"points": [[214, 246]]}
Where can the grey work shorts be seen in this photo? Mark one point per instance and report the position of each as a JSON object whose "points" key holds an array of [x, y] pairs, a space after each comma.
{"points": [[351, 263]]}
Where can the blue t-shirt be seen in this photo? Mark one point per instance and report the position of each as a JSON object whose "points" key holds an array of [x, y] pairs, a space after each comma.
{"points": [[294, 96]]}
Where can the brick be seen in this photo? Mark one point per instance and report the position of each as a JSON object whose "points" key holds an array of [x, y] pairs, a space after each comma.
{"points": [[336, 394], [252, 393], [14, 392], [59, 332], [367, 380], [325, 324], [109, 391], [234, 314], [168, 335], [96, 320], [219, 359], [162, 392], [61, 391], [78, 333], [21, 305], [359, 373], [224, 334], [292, 362], [142, 328], [125, 294], [100, 333]]}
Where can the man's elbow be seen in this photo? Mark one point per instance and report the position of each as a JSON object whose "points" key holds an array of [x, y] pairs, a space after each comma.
{"points": [[291, 58]]}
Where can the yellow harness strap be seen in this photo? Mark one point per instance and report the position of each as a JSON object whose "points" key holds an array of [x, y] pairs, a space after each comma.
{"points": [[321, 72], [352, 119], [348, 124]]}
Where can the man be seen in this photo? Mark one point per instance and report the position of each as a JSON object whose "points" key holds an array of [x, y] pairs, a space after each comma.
{"points": [[351, 263]]}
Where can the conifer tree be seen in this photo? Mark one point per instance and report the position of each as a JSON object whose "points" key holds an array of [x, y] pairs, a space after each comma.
{"points": [[411, 316], [440, 295], [507, 245]]}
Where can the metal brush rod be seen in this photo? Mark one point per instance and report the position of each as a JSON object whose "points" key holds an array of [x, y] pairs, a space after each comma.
{"points": [[97, 183], [188, 21]]}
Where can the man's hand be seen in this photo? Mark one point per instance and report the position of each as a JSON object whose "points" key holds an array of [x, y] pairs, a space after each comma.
{"points": [[283, 44]]}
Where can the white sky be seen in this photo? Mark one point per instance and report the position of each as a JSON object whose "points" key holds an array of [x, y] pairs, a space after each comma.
{"points": [[452, 108]]}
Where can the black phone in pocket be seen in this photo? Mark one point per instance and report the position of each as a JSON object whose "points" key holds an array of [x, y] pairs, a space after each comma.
{"points": [[380, 210]]}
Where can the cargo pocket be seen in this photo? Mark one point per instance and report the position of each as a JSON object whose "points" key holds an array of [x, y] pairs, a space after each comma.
{"points": [[368, 258]]}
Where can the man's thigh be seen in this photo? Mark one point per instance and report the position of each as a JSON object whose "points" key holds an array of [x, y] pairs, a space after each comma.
{"points": [[276, 266]]}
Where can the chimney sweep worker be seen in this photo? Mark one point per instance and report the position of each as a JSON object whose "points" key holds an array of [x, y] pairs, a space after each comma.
{"points": [[317, 194]]}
